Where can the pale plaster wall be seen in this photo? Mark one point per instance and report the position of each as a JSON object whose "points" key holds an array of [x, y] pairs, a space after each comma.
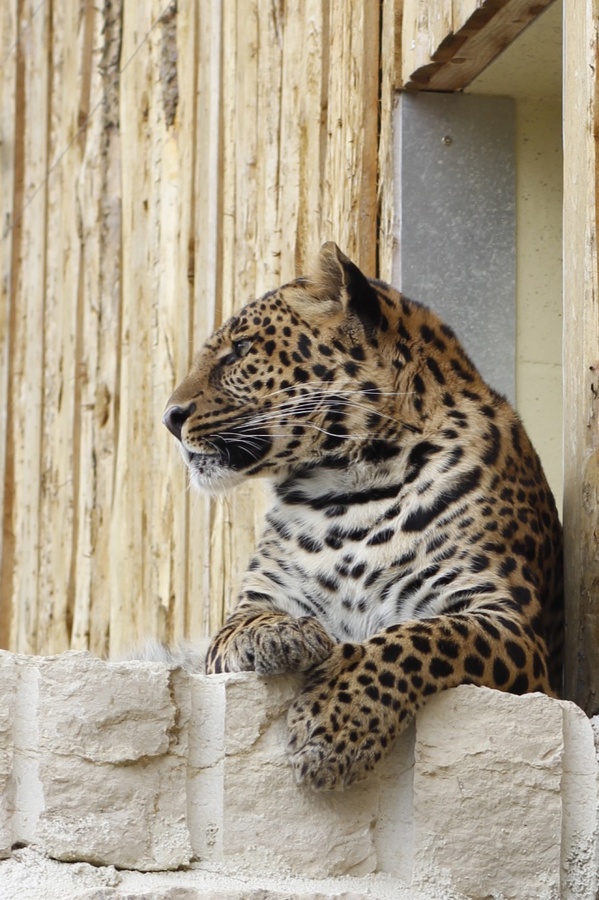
{"points": [[114, 769], [539, 279], [530, 71]]}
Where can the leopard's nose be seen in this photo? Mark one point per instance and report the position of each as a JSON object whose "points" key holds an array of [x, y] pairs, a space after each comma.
{"points": [[175, 418]]}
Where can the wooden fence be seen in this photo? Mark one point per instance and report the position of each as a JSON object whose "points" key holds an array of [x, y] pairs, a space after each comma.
{"points": [[160, 165]]}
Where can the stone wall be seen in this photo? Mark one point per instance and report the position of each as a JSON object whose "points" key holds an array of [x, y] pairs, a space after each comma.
{"points": [[133, 767]]}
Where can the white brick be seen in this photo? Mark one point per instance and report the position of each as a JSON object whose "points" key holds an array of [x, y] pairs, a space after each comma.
{"points": [[114, 763], [22, 797], [8, 690], [394, 825], [100, 761], [111, 713], [132, 765], [487, 804], [580, 797], [246, 804]]}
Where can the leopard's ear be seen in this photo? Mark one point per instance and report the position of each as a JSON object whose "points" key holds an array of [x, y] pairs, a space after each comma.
{"points": [[336, 278], [328, 276]]}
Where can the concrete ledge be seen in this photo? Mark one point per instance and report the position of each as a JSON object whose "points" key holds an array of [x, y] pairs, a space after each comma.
{"points": [[131, 766]]}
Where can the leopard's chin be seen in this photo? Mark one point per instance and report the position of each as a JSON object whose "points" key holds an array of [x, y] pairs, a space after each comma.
{"points": [[208, 474]]}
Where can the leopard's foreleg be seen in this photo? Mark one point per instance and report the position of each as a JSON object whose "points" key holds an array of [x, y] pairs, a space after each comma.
{"points": [[356, 702]]}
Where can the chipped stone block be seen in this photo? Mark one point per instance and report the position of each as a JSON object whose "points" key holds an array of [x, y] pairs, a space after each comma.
{"points": [[8, 690], [109, 713], [94, 759], [113, 763], [139, 767], [316, 834], [394, 825], [244, 802], [21, 800], [487, 804], [580, 799]]}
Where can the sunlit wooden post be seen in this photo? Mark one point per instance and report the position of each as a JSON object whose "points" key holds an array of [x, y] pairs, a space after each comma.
{"points": [[581, 353]]}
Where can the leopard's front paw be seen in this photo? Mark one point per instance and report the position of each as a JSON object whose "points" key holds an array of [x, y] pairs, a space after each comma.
{"points": [[268, 643], [344, 720]]}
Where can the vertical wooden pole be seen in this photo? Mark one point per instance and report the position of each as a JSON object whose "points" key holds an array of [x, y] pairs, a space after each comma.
{"points": [[10, 187], [157, 122], [581, 353], [302, 136], [26, 368], [350, 179], [207, 280], [172, 299], [391, 13], [62, 375], [99, 196]]}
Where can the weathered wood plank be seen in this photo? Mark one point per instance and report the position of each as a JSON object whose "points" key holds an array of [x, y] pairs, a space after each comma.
{"points": [[160, 277], [581, 353], [174, 45], [220, 563], [149, 518], [9, 173], [99, 198], [23, 488], [270, 149], [250, 501], [390, 32], [254, 79], [206, 286], [63, 298], [415, 38], [446, 44], [349, 190], [291, 137], [304, 103], [129, 512], [191, 155]]}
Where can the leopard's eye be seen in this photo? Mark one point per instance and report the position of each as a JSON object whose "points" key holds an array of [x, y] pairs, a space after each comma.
{"points": [[241, 347]]}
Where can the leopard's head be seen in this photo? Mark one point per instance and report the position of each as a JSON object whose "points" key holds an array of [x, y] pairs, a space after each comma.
{"points": [[293, 378]]}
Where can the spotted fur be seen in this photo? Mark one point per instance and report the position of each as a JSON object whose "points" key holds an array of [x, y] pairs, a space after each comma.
{"points": [[412, 544]]}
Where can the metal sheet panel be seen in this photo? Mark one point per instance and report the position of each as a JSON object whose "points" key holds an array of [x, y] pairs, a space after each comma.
{"points": [[455, 184]]}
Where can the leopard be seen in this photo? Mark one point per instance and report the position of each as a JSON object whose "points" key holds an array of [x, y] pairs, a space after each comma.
{"points": [[412, 543]]}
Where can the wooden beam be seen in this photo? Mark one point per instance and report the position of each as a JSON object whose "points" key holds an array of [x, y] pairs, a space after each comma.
{"points": [[581, 354], [447, 43]]}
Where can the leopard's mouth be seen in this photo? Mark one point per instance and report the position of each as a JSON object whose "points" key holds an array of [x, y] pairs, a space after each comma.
{"points": [[194, 458], [233, 450], [220, 461]]}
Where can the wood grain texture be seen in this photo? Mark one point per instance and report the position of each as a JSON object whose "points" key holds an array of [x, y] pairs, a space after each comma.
{"points": [[23, 483], [10, 202], [99, 197], [391, 25], [60, 335], [350, 166], [202, 599], [581, 354], [164, 165]]}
